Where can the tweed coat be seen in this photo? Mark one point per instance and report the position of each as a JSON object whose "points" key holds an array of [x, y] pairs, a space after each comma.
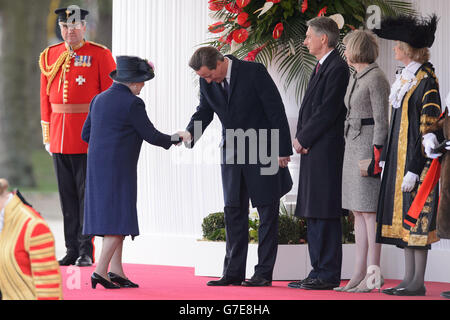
{"points": [[367, 98]]}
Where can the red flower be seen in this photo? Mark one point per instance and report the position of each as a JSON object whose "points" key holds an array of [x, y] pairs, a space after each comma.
{"points": [[216, 27], [242, 20], [278, 31], [323, 11], [240, 35], [229, 38], [242, 3], [216, 5], [274, 1], [304, 6], [252, 54], [233, 8]]}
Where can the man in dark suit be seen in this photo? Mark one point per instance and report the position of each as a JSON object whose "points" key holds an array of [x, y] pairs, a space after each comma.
{"points": [[255, 128], [320, 141]]}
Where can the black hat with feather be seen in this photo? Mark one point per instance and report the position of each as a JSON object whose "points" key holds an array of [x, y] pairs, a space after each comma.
{"points": [[417, 32]]}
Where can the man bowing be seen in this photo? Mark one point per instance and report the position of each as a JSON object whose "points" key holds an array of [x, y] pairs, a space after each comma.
{"points": [[256, 150]]}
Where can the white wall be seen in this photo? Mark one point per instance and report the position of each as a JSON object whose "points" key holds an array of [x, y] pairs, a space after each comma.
{"points": [[174, 195], [178, 188]]}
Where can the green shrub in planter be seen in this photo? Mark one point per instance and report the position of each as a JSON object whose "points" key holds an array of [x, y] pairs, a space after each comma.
{"points": [[214, 227], [291, 230]]}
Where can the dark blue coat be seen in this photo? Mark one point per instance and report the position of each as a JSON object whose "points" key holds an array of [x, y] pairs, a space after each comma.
{"points": [[115, 129], [320, 128], [253, 103]]}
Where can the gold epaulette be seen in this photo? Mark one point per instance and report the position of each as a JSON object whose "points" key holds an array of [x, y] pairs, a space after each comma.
{"points": [[98, 45], [50, 71]]}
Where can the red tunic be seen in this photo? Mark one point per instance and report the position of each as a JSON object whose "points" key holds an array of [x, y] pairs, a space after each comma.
{"points": [[86, 75]]}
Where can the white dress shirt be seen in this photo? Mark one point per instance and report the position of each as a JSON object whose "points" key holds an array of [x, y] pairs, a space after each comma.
{"points": [[228, 77], [321, 61]]}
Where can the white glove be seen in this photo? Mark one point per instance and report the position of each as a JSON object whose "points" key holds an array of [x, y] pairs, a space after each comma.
{"points": [[448, 145], [47, 148], [429, 143], [447, 104], [409, 182]]}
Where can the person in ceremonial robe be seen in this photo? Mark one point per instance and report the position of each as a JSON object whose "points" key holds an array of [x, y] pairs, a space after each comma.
{"points": [[28, 266], [73, 72], [415, 102]]}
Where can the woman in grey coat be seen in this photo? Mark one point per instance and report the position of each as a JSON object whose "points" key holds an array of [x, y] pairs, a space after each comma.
{"points": [[366, 130]]}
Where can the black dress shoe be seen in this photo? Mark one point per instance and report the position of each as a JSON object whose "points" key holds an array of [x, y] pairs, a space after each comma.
{"points": [[445, 294], [224, 282], [410, 293], [84, 261], [257, 281], [67, 260], [96, 279], [319, 284], [389, 291], [298, 284], [123, 283]]}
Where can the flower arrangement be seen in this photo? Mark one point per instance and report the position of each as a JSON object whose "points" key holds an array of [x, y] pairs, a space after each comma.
{"points": [[274, 30]]}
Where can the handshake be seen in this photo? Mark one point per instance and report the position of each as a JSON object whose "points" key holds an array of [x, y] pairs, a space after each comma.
{"points": [[182, 136]]}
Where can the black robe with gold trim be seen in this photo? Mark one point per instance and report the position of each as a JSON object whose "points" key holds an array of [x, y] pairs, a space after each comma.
{"points": [[420, 109]]}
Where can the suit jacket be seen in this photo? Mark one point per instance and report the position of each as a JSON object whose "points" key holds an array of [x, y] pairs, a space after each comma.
{"points": [[253, 103], [321, 130]]}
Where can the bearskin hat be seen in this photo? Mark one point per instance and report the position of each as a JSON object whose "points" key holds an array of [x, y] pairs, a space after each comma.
{"points": [[416, 31]]}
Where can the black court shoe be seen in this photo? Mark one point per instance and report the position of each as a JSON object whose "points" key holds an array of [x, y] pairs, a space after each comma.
{"points": [[124, 283], [96, 279]]}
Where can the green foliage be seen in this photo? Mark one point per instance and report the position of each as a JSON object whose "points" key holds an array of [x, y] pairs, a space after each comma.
{"points": [[45, 174], [291, 230], [214, 227], [348, 229]]}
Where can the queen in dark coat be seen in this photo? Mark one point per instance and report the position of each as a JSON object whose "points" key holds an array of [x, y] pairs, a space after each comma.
{"points": [[115, 129]]}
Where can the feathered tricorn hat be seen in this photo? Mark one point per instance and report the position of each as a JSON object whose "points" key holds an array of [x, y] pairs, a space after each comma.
{"points": [[416, 31]]}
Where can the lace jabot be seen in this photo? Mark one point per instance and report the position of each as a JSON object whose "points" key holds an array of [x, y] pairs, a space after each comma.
{"points": [[404, 82]]}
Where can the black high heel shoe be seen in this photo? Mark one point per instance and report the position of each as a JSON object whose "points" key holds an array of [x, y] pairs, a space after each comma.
{"points": [[124, 283], [96, 279]]}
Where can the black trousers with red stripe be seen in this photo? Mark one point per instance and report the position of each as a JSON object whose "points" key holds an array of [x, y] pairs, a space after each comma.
{"points": [[71, 175]]}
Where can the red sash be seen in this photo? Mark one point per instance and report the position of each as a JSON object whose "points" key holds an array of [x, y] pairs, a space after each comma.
{"points": [[425, 189]]}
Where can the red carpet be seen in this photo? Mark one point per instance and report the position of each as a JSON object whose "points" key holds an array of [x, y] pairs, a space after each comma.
{"points": [[175, 283]]}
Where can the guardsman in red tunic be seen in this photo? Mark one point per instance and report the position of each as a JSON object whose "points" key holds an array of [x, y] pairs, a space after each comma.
{"points": [[28, 266], [73, 73]]}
